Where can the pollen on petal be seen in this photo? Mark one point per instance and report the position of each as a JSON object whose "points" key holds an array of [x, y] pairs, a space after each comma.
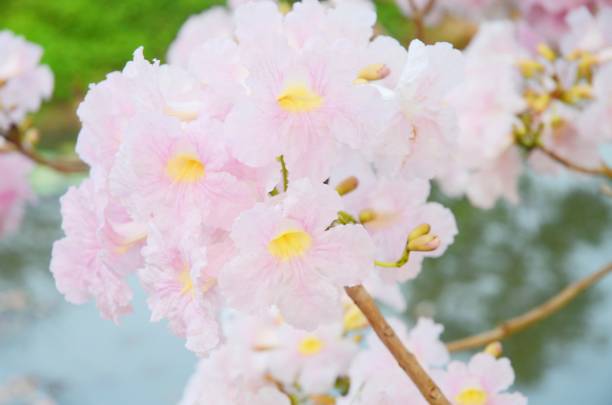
{"points": [[289, 244], [310, 345], [185, 168], [471, 396], [299, 98]]}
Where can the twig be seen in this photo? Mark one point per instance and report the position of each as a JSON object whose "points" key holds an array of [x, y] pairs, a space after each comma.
{"points": [[418, 16], [602, 170], [15, 138], [521, 322], [406, 360], [284, 172]]}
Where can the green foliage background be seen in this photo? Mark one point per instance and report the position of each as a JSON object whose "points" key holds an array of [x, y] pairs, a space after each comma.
{"points": [[83, 40]]}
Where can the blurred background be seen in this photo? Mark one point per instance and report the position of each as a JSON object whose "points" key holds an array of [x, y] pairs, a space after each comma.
{"points": [[504, 262]]}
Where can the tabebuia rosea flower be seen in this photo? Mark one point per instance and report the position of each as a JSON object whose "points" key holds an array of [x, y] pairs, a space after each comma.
{"points": [[278, 158]]}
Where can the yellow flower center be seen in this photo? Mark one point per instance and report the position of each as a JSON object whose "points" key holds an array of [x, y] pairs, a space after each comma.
{"points": [[471, 396], [299, 98], [310, 346], [185, 168], [354, 319], [289, 244], [186, 281]]}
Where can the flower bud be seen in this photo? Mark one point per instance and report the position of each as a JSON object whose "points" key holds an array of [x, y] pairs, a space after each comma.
{"points": [[347, 185], [375, 71], [495, 349], [367, 215], [546, 52], [530, 67], [425, 243], [420, 230]]}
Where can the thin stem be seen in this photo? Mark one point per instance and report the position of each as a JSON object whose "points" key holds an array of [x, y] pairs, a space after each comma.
{"points": [[406, 360], [284, 172], [15, 138], [529, 318], [399, 262], [418, 17], [602, 170]]}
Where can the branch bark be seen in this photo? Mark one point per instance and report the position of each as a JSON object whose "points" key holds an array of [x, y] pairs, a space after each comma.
{"points": [[602, 170], [406, 360], [418, 17], [15, 139], [521, 322]]}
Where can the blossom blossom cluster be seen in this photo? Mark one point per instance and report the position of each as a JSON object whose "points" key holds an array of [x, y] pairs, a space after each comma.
{"points": [[522, 98], [24, 83], [274, 160], [15, 191], [267, 362], [217, 178]]}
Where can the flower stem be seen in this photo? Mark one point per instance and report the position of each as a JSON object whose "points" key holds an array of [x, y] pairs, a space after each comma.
{"points": [[602, 170], [529, 318], [406, 360], [284, 172]]}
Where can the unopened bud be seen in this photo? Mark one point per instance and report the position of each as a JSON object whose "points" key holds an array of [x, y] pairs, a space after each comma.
{"points": [[529, 67], [538, 102], [375, 71], [495, 349], [347, 185], [425, 243], [322, 399], [367, 215], [557, 122], [585, 64], [420, 230], [546, 52], [577, 93]]}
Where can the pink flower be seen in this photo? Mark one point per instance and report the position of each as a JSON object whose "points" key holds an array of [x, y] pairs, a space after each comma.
{"points": [[100, 248], [422, 132], [170, 173], [596, 120], [15, 191], [24, 83], [301, 103], [311, 359], [398, 206], [141, 88], [287, 257], [213, 23], [231, 375], [180, 275], [481, 382], [376, 379]]}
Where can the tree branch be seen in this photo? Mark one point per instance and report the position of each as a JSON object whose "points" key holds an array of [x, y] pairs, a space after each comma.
{"points": [[418, 17], [521, 322], [406, 360], [15, 138], [602, 170]]}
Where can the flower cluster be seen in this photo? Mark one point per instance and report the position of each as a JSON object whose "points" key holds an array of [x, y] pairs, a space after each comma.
{"points": [[24, 83], [265, 361], [15, 191], [525, 99], [270, 166]]}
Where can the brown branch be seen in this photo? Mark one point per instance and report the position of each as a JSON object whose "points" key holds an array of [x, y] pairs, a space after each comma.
{"points": [[418, 17], [521, 322], [15, 139], [406, 360], [602, 170]]}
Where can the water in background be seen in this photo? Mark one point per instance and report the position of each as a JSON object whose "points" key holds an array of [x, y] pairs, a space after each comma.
{"points": [[504, 262]]}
